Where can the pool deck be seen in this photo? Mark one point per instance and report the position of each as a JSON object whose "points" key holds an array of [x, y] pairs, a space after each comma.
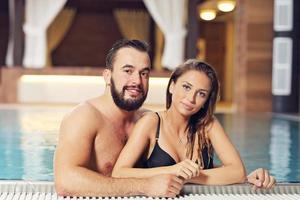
{"points": [[43, 190]]}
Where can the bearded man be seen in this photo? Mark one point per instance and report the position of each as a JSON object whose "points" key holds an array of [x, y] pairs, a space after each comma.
{"points": [[93, 134]]}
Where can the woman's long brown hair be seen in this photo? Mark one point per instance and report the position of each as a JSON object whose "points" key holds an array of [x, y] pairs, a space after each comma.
{"points": [[199, 122]]}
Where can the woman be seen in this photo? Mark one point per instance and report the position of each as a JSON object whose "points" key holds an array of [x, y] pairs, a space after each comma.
{"points": [[181, 139]]}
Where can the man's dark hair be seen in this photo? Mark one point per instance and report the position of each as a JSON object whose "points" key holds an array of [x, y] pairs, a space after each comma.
{"points": [[136, 44]]}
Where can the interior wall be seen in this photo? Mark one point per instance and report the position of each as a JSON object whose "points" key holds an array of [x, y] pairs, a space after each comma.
{"points": [[253, 55], [214, 35], [229, 61]]}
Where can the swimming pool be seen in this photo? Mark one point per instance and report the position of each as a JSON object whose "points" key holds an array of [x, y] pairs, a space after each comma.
{"points": [[28, 136]]}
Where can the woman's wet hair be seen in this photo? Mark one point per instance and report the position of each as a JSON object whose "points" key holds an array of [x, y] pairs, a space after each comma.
{"points": [[199, 122]]}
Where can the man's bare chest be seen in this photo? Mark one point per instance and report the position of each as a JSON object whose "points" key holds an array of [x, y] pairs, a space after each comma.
{"points": [[107, 148]]}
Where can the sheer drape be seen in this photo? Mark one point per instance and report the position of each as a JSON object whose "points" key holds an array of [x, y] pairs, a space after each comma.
{"points": [[38, 16], [170, 17], [58, 29], [9, 60], [133, 24]]}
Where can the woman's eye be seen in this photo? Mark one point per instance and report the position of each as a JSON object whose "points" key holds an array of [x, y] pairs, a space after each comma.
{"points": [[186, 87], [202, 94]]}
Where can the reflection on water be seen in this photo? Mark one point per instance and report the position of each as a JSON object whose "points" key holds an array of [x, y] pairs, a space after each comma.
{"points": [[11, 161], [28, 138], [267, 141], [280, 154], [27, 142], [39, 136]]}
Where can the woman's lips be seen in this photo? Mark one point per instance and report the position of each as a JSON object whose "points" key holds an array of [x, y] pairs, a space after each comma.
{"points": [[187, 107]]}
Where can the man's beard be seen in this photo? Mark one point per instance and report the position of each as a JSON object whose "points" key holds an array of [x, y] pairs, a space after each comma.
{"points": [[127, 104]]}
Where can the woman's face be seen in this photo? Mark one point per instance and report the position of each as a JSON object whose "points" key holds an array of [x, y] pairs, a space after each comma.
{"points": [[190, 92]]}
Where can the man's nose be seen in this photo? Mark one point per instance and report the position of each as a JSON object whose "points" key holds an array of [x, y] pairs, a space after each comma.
{"points": [[136, 78]]}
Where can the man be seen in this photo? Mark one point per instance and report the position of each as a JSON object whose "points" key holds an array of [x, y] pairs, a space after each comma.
{"points": [[94, 133]]}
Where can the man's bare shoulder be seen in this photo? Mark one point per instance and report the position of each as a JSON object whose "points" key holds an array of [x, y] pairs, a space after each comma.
{"points": [[84, 109], [83, 115]]}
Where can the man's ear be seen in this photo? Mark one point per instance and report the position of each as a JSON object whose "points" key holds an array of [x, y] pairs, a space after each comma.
{"points": [[107, 76], [171, 88]]}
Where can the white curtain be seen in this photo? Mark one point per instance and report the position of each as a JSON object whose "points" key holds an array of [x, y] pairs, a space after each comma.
{"points": [[38, 16], [9, 61], [170, 16]]}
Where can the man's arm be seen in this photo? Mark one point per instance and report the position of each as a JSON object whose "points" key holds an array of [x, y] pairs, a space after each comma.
{"points": [[72, 158], [84, 182]]}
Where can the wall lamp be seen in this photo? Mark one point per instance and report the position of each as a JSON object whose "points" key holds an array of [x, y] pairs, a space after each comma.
{"points": [[208, 9]]}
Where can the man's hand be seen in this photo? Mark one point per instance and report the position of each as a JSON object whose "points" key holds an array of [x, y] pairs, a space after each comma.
{"points": [[164, 186], [261, 178]]}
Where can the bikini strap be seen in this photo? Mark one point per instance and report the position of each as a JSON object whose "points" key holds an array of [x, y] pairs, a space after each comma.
{"points": [[158, 127]]}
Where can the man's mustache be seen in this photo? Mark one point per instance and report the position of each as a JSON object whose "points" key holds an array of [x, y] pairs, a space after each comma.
{"points": [[136, 87]]}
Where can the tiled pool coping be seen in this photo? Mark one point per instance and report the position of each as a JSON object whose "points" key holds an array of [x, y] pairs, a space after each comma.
{"points": [[39, 190]]}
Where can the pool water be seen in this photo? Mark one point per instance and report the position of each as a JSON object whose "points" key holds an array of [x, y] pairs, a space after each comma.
{"points": [[28, 137], [27, 142]]}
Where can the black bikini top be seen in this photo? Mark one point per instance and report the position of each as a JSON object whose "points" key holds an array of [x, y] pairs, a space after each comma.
{"points": [[160, 157]]}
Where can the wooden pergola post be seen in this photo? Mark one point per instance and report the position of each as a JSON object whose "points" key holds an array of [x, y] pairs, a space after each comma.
{"points": [[193, 29], [16, 36]]}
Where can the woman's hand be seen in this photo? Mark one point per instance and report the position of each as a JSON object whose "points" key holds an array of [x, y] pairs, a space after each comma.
{"points": [[261, 178], [186, 169]]}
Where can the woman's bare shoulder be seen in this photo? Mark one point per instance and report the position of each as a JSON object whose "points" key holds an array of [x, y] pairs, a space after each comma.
{"points": [[149, 118]]}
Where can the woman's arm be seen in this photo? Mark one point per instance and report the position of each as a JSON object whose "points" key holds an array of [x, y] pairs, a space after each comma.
{"points": [[138, 143], [232, 169]]}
